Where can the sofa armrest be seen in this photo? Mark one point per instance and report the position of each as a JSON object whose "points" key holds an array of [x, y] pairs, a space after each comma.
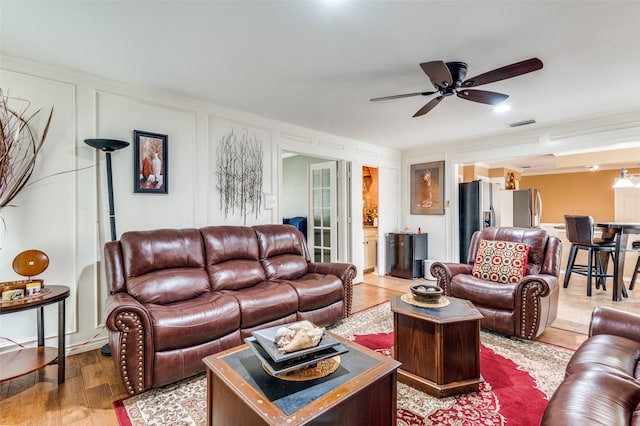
{"points": [[346, 272], [535, 308], [547, 283], [613, 321], [445, 271], [131, 341]]}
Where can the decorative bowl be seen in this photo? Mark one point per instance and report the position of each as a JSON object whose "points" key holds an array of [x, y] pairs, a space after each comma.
{"points": [[426, 292]]}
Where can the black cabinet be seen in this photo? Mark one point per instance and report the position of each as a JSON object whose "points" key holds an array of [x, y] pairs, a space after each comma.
{"points": [[405, 253]]}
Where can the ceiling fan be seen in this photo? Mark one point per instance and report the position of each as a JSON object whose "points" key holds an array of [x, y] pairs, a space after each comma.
{"points": [[449, 79]]}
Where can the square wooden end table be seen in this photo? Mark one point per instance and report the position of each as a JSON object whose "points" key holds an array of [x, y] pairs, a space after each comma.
{"points": [[361, 391], [439, 348]]}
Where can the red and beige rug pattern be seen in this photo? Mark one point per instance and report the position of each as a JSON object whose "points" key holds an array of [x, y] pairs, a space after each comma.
{"points": [[520, 376]]}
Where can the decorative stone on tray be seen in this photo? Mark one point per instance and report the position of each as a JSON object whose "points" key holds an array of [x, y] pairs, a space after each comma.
{"points": [[428, 293], [311, 350], [298, 336]]}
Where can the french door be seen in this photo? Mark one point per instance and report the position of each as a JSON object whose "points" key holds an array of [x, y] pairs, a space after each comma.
{"points": [[322, 239]]}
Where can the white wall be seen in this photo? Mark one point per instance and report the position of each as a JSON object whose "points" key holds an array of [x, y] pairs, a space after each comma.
{"points": [[436, 226], [67, 215]]}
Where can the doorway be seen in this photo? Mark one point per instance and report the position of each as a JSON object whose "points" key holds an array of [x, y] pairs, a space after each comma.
{"points": [[323, 212], [311, 199], [370, 217]]}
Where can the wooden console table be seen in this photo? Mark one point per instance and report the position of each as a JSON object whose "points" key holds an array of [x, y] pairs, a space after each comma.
{"points": [[24, 361]]}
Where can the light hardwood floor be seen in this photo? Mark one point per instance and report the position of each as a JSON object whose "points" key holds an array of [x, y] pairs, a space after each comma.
{"points": [[92, 382]]}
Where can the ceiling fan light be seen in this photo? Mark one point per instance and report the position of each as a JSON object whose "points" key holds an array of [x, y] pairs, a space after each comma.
{"points": [[502, 108]]}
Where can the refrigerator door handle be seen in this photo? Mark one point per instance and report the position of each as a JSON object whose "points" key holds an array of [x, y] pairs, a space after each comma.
{"points": [[538, 208]]}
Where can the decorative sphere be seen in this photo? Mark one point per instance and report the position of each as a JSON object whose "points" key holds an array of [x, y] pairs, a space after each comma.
{"points": [[426, 292]]}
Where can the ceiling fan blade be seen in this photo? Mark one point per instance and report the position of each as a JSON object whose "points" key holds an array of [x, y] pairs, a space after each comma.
{"points": [[384, 98], [428, 107], [505, 72], [482, 96], [438, 72]]}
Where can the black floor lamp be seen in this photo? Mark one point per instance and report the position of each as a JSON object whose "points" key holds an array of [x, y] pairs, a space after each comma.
{"points": [[108, 146]]}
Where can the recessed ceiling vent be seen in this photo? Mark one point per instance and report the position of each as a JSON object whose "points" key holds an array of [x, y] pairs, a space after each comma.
{"points": [[522, 123]]}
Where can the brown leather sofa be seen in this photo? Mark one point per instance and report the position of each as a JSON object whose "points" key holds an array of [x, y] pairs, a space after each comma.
{"points": [[601, 384], [179, 295], [523, 309]]}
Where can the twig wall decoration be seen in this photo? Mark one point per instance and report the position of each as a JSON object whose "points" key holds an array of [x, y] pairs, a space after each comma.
{"points": [[239, 171]]}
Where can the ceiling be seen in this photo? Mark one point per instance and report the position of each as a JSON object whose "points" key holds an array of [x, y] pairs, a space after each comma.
{"points": [[317, 63]]}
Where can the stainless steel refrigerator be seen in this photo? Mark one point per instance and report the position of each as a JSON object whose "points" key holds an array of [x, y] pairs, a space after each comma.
{"points": [[521, 208], [477, 201]]}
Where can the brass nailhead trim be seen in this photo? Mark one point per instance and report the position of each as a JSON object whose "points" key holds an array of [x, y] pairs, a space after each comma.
{"points": [[123, 349], [535, 289]]}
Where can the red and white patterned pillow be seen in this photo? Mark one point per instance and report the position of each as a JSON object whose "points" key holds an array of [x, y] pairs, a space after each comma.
{"points": [[501, 261]]}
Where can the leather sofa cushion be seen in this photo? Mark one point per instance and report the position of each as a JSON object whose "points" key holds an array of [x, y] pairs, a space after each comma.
{"points": [[164, 265], [265, 302], [148, 251], [232, 257], [285, 267], [282, 251], [236, 274], [193, 322], [485, 293], [593, 397], [317, 290], [169, 286], [606, 352]]}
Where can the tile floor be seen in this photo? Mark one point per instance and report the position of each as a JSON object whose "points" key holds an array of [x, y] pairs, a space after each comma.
{"points": [[574, 307]]}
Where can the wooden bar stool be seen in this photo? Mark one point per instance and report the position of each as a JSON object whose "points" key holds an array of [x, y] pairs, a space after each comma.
{"points": [[580, 233]]}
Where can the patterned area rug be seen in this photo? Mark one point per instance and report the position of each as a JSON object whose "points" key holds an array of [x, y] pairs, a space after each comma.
{"points": [[520, 376]]}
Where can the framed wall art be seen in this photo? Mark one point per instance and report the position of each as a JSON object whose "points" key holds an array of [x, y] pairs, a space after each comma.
{"points": [[427, 188], [150, 162]]}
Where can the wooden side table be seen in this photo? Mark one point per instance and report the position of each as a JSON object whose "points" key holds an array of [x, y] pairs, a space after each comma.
{"points": [[24, 361], [439, 348]]}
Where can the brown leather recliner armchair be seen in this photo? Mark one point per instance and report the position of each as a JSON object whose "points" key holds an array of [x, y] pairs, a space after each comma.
{"points": [[522, 309]]}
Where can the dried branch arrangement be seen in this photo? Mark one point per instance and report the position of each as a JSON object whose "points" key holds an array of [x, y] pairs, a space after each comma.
{"points": [[19, 146], [239, 171]]}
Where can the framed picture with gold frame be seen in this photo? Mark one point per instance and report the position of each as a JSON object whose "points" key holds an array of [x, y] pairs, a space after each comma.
{"points": [[427, 188]]}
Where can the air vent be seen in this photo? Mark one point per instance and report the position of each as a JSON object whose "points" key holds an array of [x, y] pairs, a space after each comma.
{"points": [[522, 123]]}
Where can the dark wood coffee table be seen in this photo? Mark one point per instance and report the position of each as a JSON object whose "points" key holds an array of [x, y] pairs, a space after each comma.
{"points": [[439, 348], [361, 391]]}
